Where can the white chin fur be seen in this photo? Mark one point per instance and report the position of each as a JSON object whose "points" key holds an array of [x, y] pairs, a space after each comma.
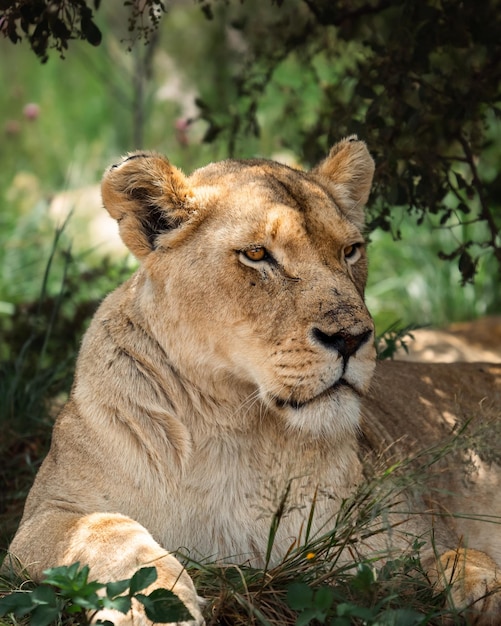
{"points": [[329, 418]]}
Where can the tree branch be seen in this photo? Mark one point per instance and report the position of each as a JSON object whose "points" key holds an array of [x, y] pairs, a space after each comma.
{"points": [[485, 213]]}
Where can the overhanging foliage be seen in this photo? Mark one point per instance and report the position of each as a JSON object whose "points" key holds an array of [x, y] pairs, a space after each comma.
{"points": [[418, 79]]}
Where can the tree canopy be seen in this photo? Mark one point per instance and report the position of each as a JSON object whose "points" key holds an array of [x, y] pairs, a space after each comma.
{"points": [[419, 80]]}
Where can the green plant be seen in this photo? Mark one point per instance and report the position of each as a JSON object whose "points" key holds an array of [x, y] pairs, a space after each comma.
{"points": [[67, 589], [392, 339], [327, 606]]}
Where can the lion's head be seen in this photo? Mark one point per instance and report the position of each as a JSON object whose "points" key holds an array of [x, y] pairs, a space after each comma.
{"points": [[254, 273]]}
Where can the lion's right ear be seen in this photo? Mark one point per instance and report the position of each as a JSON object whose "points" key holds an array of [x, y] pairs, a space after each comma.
{"points": [[348, 172], [148, 197]]}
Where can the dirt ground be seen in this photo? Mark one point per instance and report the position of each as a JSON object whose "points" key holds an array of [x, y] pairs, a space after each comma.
{"points": [[479, 340]]}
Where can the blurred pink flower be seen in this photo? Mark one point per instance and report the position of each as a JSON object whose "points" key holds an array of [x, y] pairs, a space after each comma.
{"points": [[31, 111]]}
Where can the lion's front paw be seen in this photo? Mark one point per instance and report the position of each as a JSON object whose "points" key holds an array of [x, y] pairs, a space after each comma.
{"points": [[171, 576], [137, 617], [472, 582]]}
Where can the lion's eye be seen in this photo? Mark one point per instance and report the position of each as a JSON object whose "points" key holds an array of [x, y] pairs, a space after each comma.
{"points": [[252, 257], [352, 253], [255, 254]]}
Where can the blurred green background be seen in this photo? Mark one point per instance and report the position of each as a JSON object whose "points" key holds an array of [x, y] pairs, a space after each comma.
{"points": [[63, 122]]}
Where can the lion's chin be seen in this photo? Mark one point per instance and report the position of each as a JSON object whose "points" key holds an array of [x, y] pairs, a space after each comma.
{"points": [[333, 413], [324, 395]]}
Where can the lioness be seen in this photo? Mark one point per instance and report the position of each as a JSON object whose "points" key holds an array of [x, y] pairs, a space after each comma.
{"points": [[229, 369]]}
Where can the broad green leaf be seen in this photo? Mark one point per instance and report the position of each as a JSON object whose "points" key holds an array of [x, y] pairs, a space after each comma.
{"points": [[120, 603], [64, 576], [352, 610], [44, 595], [364, 578], [116, 588], [299, 596], [44, 615], [91, 601], [400, 617], [162, 605], [142, 579], [324, 598], [308, 615], [17, 602], [341, 621]]}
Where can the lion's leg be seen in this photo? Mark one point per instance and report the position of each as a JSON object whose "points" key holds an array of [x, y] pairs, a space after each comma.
{"points": [[472, 582], [112, 545]]}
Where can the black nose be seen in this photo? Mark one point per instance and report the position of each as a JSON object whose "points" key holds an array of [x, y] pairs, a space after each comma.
{"points": [[344, 342]]}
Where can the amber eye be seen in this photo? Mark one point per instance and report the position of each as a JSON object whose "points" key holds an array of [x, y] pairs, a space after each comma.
{"points": [[352, 253], [255, 254]]}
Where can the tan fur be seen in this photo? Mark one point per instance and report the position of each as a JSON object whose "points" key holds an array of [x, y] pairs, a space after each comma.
{"points": [[210, 382]]}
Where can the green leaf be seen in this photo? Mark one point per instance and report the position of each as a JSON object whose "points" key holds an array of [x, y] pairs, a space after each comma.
{"points": [[364, 578], [120, 603], [76, 608], [324, 598], [44, 615], [17, 602], [400, 617], [352, 610], [65, 576], [142, 578], [341, 621], [43, 595], [162, 605], [88, 601], [299, 596], [116, 588], [308, 615]]}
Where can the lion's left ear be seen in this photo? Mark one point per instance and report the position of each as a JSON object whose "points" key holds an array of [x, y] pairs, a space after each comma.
{"points": [[148, 197], [347, 172]]}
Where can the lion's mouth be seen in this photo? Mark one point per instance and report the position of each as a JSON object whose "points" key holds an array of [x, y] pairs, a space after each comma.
{"points": [[299, 404]]}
